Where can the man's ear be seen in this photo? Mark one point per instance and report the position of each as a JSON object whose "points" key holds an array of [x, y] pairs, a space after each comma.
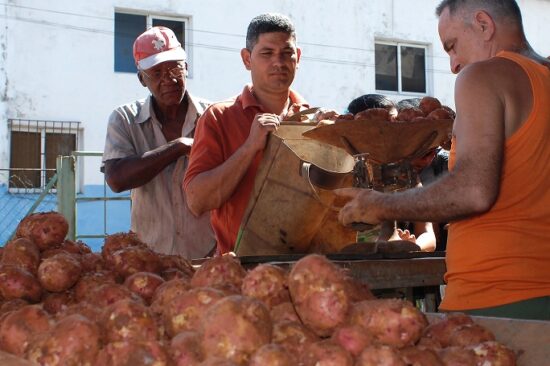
{"points": [[485, 24], [245, 55], [299, 55], [140, 77]]}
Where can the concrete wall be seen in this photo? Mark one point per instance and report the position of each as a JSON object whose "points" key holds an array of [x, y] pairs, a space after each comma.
{"points": [[56, 57]]}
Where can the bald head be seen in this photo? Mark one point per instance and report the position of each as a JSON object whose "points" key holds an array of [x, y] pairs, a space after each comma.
{"points": [[499, 10]]}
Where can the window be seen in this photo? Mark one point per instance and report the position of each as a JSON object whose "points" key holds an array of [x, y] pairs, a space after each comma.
{"points": [[129, 26], [34, 147], [400, 67]]}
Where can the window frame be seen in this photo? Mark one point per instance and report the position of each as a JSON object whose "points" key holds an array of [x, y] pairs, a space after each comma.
{"points": [[400, 90], [149, 16], [43, 127]]}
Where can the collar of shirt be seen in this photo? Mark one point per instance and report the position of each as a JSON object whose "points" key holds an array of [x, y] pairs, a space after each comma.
{"points": [[194, 111], [248, 99]]}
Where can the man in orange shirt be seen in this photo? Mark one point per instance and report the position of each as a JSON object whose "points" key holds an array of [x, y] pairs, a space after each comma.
{"points": [[497, 193], [232, 135]]}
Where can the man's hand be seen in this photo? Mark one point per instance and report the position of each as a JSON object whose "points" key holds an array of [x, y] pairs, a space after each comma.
{"points": [[362, 206], [185, 143], [263, 124], [325, 114], [406, 235]]}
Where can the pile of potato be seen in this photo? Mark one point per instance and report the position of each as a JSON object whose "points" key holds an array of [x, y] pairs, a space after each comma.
{"points": [[63, 305]]}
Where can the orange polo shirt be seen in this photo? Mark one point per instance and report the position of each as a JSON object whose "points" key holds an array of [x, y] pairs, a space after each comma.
{"points": [[222, 129], [503, 256]]}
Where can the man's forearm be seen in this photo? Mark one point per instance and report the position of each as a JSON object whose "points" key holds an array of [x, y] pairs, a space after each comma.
{"points": [[135, 171], [210, 189]]}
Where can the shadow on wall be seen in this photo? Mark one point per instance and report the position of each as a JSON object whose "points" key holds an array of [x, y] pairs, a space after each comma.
{"points": [[91, 216]]}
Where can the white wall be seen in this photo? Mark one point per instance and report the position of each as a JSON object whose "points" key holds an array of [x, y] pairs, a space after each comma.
{"points": [[57, 63]]}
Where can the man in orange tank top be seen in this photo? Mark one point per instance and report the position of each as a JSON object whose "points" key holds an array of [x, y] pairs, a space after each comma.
{"points": [[497, 194]]}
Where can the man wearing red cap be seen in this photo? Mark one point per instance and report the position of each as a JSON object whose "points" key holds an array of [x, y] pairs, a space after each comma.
{"points": [[231, 135], [147, 147]]}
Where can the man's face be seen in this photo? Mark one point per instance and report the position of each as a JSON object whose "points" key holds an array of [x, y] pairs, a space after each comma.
{"points": [[273, 61], [462, 40], [166, 81]]}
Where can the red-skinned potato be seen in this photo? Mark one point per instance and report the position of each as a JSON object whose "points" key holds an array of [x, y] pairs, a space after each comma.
{"points": [[378, 355], [22, 253], [165, 293], [320, 294], [55, 302], [352, 338], [429, 104], [391, 322], [89, 311], [128, 261], [326, 353], [128, 320], [177, 262], [457, 356], [20, 326], [493, 353], [74, 340], [374, 114], [89, 281], [284, 312], [272, 354], [185, 311], [45, 229], [470, 335], [92, 262], [267, 283], [217, 272], [109, 293], [292, 336], [144, 284], [186, 349], [408, 114], [235, 327], [420, 356], [17, 283], [126, 353], [119, 241], [442, 330], [11, 305], [59, 273]]}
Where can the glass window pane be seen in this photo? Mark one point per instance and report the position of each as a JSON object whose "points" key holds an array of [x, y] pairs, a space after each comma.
{"points": [[385, 58], [127, 28], [413, 69], [177, 27]]}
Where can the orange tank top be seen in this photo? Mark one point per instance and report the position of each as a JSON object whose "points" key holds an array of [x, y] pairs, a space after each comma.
{"points": [[503, 256]]}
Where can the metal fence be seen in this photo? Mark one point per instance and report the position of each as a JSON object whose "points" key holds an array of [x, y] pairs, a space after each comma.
{"points": [[60, 194]]}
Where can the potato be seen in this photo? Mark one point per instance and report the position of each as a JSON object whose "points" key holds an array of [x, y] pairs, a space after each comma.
{"points": [[442, 330], [92, 262], [357, 291], [273, 355], [176, 262], [75, 247], [128, 320], [379, 355], [170, 274], [326, 353], [45, 229], [56, 302], [373, 114], [17, 283], [165, 293], [409, 114], [144, 284], [186, 349], [184, 312], [420, 356], [493, 353], [20, 326], [440, 113], [22, 253], [11, 305], [109, 293], [89, 281], [284, 311], [457, 356], [74, 340], [352, 338], [235, 327], [59, 273], [130, 353], [320, 294], [216, 361], [89, 311], [470, 335], [128, 261], [219, 272], [429, 104], [119, 241], [267, 283], [292, 336], [429, 343], [391, 322]]}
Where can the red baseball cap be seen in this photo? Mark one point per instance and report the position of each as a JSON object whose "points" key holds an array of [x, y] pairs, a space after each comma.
{"points": [[156, 45]]}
